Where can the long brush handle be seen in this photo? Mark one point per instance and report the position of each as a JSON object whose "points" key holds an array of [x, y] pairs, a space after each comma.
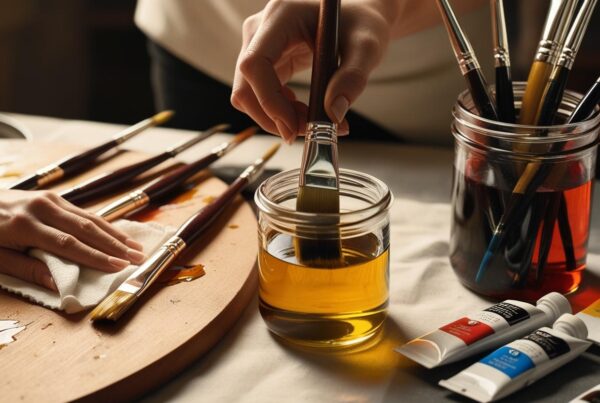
{"points": [[83, 161], [325, 60]]}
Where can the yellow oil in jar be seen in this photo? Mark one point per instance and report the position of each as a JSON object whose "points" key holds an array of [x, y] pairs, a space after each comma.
{"points": [[324, 307]]}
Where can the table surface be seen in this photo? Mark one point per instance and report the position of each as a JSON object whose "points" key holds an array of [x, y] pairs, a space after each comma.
{"points": [[249, 364]]}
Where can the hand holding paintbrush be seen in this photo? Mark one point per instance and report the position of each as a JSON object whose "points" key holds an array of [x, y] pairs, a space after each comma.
{"points": [[115, 305], [79, 163]]}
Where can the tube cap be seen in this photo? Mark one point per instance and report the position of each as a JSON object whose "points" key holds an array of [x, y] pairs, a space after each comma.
{"points": [[571, 325], [554, 305]]}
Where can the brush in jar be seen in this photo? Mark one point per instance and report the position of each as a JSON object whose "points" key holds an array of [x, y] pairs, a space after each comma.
{"points": [[106, 183], [554, 34], [76, 164], [118, 302], [319, 187], [468, 63], [167, 184], [505, 101]]}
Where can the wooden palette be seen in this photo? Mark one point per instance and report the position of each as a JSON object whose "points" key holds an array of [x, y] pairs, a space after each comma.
{"points": [[62, 357]]}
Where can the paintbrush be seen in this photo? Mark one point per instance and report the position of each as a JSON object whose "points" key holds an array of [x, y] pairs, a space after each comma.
{"points": [[319, 188], [505, 100], [528, 182], [154, 191], [468, 63], [106, 183], [554, 34], [588, 103], [79, 163], [114, 305]]}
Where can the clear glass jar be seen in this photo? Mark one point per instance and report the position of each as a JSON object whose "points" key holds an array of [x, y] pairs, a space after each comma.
{"points": [[324, 306], [542, 246]]}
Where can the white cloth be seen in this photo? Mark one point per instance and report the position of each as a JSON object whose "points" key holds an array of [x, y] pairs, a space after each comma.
{"points": [[410, 93], [80, 287]]}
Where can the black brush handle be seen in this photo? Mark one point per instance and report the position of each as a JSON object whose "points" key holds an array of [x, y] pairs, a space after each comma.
{"points": [[479, 92], [552, 97], [195, 226], [504, 95], [105, 184], [325, 60], [586, 106], [70, 165], [177, 178]]}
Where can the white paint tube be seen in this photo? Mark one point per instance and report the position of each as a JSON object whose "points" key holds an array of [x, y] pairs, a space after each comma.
{"points": [[591, 317], [522, 362], [484, 330], [589, 396]]}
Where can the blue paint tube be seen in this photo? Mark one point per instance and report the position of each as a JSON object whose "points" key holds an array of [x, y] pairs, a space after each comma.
{"points": [[522, 362]]}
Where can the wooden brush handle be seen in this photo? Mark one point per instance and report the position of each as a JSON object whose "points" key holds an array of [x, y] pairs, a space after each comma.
{"points": [[325, 60], [106, 184]]}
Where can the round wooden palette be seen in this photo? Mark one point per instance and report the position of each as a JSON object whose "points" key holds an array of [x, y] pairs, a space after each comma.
{"points": [[61, 357]]}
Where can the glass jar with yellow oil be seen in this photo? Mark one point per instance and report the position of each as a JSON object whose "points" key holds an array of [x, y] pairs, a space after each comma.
{"points": [[320, 303]]}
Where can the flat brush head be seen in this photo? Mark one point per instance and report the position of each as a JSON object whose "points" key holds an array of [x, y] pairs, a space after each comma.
{"points": [[162, 117], [313, 199], [113, 306]]}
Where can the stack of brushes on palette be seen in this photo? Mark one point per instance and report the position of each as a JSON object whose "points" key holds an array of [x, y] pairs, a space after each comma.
{"points": [[524, 200], [178, 177]]}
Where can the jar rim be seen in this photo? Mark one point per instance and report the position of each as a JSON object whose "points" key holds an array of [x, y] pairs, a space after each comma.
{"points": [[516, 131], [342, 219]]}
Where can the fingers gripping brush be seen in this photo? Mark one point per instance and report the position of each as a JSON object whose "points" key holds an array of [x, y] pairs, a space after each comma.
{"points": [[117, 303], [319, 190]]}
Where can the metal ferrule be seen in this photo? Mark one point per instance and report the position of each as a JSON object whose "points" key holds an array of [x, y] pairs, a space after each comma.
{"points": [[148, 272], [133, 130], [124, 205], [575, 35], [254, 171], [555, 30], [465, 56], [202, 136], [320, 157], [501, 54], [49, 174], [223, 148]]}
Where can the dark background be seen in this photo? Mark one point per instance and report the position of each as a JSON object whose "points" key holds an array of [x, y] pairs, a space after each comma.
{"points": [[85, 59]]}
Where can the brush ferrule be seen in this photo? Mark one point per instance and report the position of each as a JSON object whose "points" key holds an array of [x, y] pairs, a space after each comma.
{"points": [[501, 57], [547, 52], [320, 158], [567, 58], [222, 149], [49, 174], [467, 62], [148, 272], [253, 171], [124, 205], [133, 130]]}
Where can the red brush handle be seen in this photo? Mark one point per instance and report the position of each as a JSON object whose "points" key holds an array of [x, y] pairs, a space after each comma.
{"points": [[325, 60]]}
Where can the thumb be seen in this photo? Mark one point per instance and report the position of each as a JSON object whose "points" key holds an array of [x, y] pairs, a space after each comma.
{"points": [[360, 55]]}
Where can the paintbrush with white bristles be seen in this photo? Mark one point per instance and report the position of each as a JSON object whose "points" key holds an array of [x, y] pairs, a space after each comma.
{"points": [[115, 305]]}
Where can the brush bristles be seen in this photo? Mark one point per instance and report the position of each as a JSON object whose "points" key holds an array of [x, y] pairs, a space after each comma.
{"points": [[113, 306], [270, 152], [162, 117], [244, 135], [319, 252]]}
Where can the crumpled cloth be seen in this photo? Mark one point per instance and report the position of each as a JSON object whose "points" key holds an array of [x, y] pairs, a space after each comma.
{"points": [[81, 287]]}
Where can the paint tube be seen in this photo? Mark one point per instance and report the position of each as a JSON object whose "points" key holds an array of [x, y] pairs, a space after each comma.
{"points": [[522, 362], [589, 396], [485, 330], [591, 317]]}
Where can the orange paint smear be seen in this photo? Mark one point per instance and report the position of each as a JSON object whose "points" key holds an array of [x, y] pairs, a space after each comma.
{"points": [[182, 274]]}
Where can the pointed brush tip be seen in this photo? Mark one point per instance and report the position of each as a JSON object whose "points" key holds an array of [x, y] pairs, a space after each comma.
{"points": [[162, 117], [271, 151], [245, 134]]}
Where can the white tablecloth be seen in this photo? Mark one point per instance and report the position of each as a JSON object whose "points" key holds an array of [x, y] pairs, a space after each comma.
{"points": [[252, 366]]}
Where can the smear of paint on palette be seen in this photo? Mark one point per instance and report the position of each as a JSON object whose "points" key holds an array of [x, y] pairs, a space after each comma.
{"points": [[182, 274]]}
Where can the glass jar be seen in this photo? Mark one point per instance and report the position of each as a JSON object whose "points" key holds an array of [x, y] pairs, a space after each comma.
{"points": [[333, 306], [536, 238]]}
